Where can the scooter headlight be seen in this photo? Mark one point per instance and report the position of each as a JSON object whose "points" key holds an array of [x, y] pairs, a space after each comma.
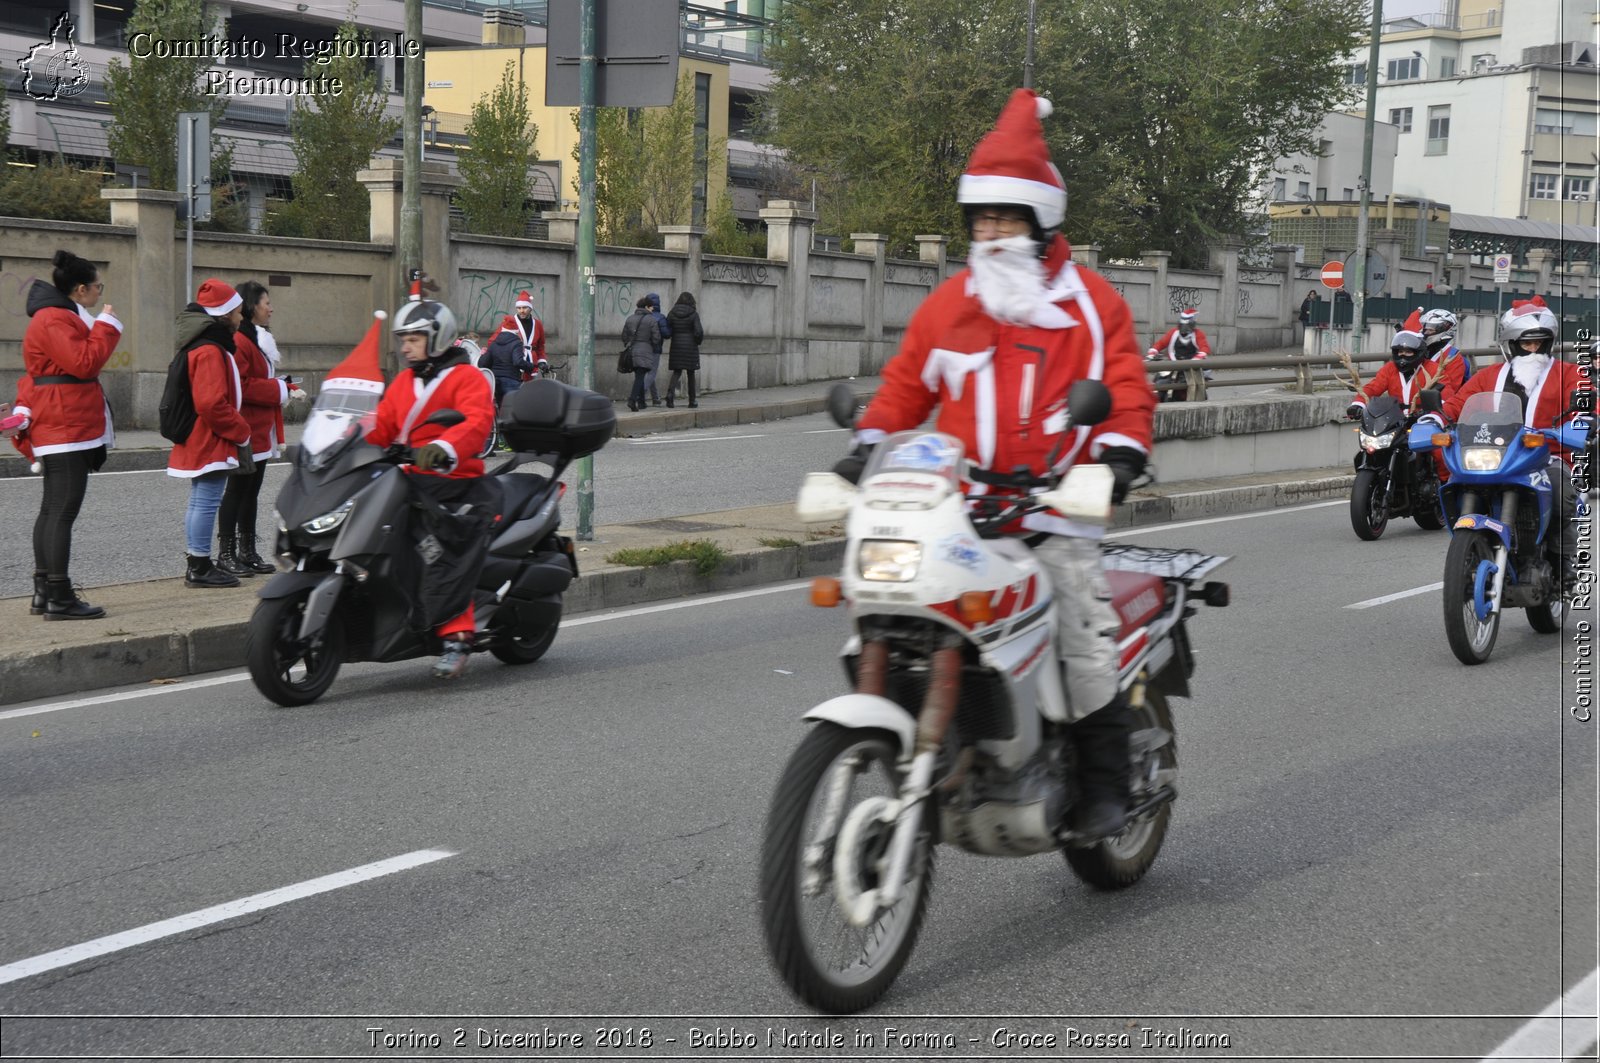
{"points": [[329, 520], [1377, 442], [888, 560], [1482, 459]]}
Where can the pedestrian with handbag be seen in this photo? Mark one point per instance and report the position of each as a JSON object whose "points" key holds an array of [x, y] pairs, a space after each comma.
{"points": [[683, 356], [641, 338]]}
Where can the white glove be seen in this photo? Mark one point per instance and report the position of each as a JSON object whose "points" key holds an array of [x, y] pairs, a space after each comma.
{"points": [[296, 394]]}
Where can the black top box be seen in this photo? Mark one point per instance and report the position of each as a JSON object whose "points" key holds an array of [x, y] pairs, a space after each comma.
{"points": [[548, 417]]}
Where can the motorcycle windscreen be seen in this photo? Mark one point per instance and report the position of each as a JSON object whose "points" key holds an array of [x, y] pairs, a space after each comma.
{"points": [[1498, 412], [1382, 415], [339, 420]]}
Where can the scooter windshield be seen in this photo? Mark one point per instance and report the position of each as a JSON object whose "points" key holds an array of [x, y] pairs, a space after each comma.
{"points": [[339, 420]]}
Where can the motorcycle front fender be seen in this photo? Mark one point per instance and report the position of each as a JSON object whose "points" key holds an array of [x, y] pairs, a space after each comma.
{"points": [[1483, 522], [284, 584], [869, 711]]}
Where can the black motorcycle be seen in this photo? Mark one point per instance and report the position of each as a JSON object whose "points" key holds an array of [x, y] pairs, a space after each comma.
{"points": [[1391, 479], [346, 518]]}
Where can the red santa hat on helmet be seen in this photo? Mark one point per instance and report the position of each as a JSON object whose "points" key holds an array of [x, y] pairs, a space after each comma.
{"points": [[1011, 164], [523, 300], [1189, 316], [360, 370], [216, 298]]}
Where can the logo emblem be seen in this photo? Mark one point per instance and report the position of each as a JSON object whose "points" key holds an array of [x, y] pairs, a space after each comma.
{"points": [[54, 70], [964, 552], [1484, 435], [1539, 479]]}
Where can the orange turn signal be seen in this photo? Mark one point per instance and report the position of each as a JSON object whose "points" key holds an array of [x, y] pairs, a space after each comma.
{"points": [[1535, 439], [825, 592], [1440, 439], [975, 607]]}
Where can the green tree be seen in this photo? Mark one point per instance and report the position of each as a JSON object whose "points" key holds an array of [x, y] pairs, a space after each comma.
{"points": [[147, 95], [502, 140], [5, 123], [53, 190], [1167, 115], [334, 139], [725, 237]]}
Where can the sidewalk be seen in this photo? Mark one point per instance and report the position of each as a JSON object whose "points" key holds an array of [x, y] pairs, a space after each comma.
{"points": [[160, 631]]}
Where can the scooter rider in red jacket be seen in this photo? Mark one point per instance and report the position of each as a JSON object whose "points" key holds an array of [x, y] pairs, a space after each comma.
{"points": [[996, 348], [438, 376]]}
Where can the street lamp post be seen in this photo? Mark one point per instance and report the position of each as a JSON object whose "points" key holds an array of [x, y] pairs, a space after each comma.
{"points": [[1027, 61], [1359, 268]]}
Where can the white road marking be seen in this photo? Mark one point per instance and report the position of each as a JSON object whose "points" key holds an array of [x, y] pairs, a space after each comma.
{"points": [[1565, 1030], [776, 588], [696, 439], [127, 472], [1156, 528], [182, 924], [822, 431], [1396, 596], [126, 695]]}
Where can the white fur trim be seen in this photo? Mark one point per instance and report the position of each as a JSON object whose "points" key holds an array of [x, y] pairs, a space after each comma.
{"points": [[870, 437], [351, 383], [215, 466], [445, 444], [111, 319], [1048, 201], [1115, 439], [283, 393], [951, 368], [226, 308], [1045, 107], [984, 400]]}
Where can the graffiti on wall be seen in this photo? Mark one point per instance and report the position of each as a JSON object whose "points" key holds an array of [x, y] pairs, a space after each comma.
{"points": [[488, 297], [1244, 302], [1181, 299], [735, 272], [14, 293], [924, 275], [1255, 276]]}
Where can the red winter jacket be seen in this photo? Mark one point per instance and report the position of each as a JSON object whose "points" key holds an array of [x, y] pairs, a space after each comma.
{"points": [[1167, 346], [1388, 380], [1002, 389], [409, 400], [264, 395], [63, 416], [219, 428]]}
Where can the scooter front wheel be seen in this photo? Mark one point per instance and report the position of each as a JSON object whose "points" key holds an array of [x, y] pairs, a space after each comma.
{"points": [[1471, 638], [286, 669], [831, 964]]}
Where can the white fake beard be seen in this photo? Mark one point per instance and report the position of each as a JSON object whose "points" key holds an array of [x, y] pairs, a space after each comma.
{"points": [[1526, 369], [1009, 277]]}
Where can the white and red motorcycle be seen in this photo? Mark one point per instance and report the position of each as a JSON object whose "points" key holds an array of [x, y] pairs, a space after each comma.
{"points": [[957, 728]]}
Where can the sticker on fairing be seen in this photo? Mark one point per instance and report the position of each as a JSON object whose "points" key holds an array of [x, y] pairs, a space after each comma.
{"points": [[926, 453], [965, 552]]}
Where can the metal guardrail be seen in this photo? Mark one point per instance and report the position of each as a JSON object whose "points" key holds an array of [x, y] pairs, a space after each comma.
{"points": [[1301, 370]]}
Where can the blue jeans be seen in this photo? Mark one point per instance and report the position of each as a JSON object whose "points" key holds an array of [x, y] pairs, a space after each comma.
{"points": [[200, 519]]}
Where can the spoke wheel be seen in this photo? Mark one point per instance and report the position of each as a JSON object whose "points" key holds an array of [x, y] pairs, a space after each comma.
{"points": [[1122, 859], [830, 964], [1471, 639], [282, 667], [1367, 515]]}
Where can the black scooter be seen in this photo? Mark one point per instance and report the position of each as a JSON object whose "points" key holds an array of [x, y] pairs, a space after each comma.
{"points": [[1391, 479], [344, 515]]}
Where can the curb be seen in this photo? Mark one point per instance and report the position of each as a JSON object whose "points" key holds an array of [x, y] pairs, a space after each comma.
{"points": [[27, 676]]}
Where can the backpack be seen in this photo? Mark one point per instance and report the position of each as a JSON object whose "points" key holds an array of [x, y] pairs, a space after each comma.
{"points": [[177, 401]]}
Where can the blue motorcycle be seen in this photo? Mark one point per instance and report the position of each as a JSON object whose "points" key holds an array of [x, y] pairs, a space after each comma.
{"points": [[1500, 507]]}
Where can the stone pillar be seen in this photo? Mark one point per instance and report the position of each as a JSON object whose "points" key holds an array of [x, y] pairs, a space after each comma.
{"points": [[876, 247], [1225, 257], [383, 185], [789, 241], [1543, 260], [936, 250], [563, 225], [1289, 300], [687, 240], [1086, 255], [148, 303], [1156, 313]]}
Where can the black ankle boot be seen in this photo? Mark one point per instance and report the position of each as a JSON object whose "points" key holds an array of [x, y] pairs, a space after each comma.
{"points": [[1102, 740], [201, 573], [228, 561], [40, 597], [63, 603], [250, 557]]}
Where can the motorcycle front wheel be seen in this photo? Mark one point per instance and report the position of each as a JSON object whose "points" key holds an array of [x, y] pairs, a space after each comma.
{"points": [[1367, 515], [1471, 639], [833, 966], [1122, 859], [282, 667]]}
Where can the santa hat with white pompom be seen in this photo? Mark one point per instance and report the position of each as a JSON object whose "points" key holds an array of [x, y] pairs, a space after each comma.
{"points": [[1011, 164], [361, 369]]}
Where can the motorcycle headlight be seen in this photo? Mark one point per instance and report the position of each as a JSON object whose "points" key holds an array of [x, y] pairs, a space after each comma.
{"points": [[1481, 459], [1377, 442], [329, 520], [888, 560]]}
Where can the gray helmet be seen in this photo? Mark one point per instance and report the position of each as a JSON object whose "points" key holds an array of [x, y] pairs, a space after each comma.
{"points": [[1439, 328], [1530, 320], [427, 316]]}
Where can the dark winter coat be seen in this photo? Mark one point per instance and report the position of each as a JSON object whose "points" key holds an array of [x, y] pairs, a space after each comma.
{"points": [[507, 359], [687, 335], [646, 339]]}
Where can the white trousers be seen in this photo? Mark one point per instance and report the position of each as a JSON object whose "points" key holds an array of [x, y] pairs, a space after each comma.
{"points": [[1086, 624]]}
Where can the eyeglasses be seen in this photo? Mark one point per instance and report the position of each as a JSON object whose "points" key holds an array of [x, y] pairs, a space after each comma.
{"points": [[1006, 222]]}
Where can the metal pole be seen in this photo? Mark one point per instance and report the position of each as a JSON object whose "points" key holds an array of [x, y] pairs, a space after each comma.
{"points": [[586, 225], [1359, 270], [188, 193], [1027, 62], [411, 156]]}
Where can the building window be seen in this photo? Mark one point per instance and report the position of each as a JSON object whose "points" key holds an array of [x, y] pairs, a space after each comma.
{"points": [[1438, 130], [1543, 186], [1322, 194], [1279, 188], [1356, 74], [1349, 194], [1578, 189], [1401, 116], [1407, 69], [702, 140], [1447, 67], [1565, 123], [1303, 190]]}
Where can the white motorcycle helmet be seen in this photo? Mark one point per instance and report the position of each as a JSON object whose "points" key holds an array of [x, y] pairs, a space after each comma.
{"points": [[433, 319], [1528, 320], [1439, 329]]}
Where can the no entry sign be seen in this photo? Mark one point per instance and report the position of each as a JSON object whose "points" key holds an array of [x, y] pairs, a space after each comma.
{"points": [[1333, 275]]}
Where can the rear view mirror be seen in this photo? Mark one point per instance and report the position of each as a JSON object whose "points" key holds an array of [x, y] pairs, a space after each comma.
{"points": [[1089, 402], [842, 405], [1431, 401]]}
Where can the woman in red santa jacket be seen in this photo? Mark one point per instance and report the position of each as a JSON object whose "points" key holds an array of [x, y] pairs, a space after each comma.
{"points": [[67, 423], [220, 440], [264, 398], [438, 376]]}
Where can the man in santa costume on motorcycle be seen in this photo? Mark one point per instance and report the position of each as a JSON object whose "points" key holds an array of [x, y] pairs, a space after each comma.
{"points": [[1545, 385], [1408, 371], [996, 348], [438, 376], [1181, 344]]}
